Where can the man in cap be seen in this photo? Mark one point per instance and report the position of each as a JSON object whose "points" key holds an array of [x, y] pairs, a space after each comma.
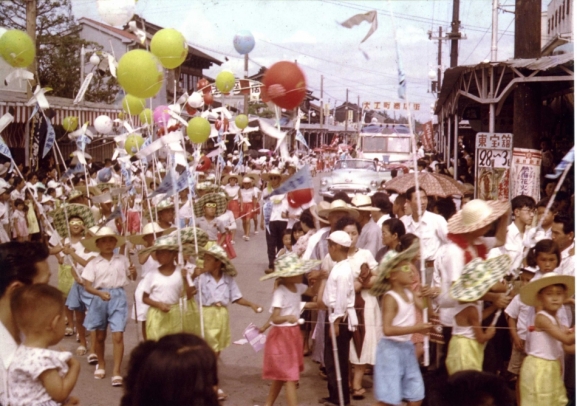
{"points": [[336, 211]]}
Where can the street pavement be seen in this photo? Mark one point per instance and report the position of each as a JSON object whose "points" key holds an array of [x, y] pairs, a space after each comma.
{"points": [[239, 367]]}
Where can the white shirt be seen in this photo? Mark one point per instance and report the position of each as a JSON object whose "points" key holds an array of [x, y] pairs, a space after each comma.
{"points": [[406, 314], [534, 235], [541, 345], [567, 266], [382, 219], [150, 265], [225, 291], [247, 195], [277, 206], [516, 310], [513, 247], [313, 240], [339, 294], [81, 252], [227, 220], [371, 237], [7, 350], [232, 191], [432, 232], [288, 302], [107, 274], [162, 288]]}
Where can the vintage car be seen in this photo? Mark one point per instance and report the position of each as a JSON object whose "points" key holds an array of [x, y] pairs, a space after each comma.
{"points": [[353, 176]]}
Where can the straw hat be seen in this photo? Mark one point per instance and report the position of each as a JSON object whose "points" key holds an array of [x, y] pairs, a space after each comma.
{"points": [[168, 243], [164, 205], [254, 177], [60, 215], [364, 203], [205, 186], [150, 228], [229, 177], [290, 265], [530, 291], [391, 260], [273, 172], [338, 205], [219, 253], [93, 190], [187, 236], [478, 277], [104, 186], [74, 194], [477, 214], [220, 200], [320, 206], [90, 243]]}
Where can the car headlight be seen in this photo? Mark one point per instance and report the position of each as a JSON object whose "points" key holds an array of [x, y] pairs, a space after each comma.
{"points": [[324, 182], [374, 183]]}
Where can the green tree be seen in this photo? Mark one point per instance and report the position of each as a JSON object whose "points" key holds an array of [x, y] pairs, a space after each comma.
{"points": [[58, 45]]}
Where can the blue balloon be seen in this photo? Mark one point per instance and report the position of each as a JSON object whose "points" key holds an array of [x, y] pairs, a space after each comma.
{"points": [[243, 42], [104, 175]]}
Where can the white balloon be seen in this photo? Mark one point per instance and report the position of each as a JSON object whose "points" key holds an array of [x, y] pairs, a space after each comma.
{"points": [[103, 125], [195, 100], [94, 60], [2, 31], [116, 12]]}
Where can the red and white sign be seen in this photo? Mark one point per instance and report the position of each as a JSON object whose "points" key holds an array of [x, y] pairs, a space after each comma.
{"points": [[526, 172], [493, 162]]}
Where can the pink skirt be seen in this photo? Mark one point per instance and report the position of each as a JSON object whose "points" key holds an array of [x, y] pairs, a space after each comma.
{"points": [[228, 246], [133, 221], [234, 206], [246, 211], [283, 354]]}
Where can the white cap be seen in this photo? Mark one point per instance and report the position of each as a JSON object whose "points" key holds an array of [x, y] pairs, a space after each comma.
{"points": [[341, 238]]}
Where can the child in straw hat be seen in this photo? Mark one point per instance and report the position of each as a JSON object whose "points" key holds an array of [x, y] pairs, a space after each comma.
{"points": [[397, 375], [540, 380], [283, 351], [162, 289]]}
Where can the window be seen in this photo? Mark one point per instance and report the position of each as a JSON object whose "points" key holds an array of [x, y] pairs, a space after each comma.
{"points": [[568, 6], [563, 10], [556, 18], [549, 26]]}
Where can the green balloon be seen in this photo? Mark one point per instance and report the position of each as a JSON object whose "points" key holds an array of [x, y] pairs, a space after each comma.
{"points": [[225, 81], [170, 46], [198, 130], [70, 123], [17, 48], [133, 105], [241, 121], [140, 73], [146, 116], [133, 143]]}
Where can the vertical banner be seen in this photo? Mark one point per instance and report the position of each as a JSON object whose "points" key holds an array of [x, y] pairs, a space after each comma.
{"points": [[428, 136], [493, 163], [526, 172]]}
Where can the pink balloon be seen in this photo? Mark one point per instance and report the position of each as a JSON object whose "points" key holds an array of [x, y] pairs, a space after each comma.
{"points": [[161, 115]]}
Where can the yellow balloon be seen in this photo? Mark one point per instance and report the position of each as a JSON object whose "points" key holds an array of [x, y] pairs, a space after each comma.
{"points": [[198, 130], [70, 123], [133, 143], [17, 48], [225, 81], [140, 73], [241, 121], [146, 116], [133, 105], [170, 46]]}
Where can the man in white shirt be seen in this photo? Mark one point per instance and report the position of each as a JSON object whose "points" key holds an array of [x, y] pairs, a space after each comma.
{"points": [[21, 263], [370, 236], [430, 228], [339, 297], [534, 235], [563, 233]]}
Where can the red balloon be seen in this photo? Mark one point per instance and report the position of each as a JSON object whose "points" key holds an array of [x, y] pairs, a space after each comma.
{"points": [[208, 99], [217, 124], [297, 198], [203, 164], [285, 84], [189, 110], [203, 84]]}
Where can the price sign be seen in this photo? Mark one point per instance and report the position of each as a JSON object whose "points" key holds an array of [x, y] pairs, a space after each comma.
{"points": [[494, 152]]}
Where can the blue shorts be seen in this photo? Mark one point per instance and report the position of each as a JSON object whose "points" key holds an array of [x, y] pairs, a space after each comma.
{"points": [[78, 298], [397, 376], [113, 313]]}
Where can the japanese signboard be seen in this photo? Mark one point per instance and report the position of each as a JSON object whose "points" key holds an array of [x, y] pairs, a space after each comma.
{"points": [[387, 105], [526, 172], [493, 162], [427, 138]]}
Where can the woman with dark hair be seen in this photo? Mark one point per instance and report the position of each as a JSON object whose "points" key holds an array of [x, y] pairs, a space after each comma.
{"points": [[178, 369], [307, 224], [393, 230]]}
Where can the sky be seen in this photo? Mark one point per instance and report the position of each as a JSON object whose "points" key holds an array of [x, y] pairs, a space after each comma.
{"points": [[309, 33]]}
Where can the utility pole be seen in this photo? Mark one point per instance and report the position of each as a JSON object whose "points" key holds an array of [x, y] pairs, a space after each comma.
{"points": [[245, 110], [455, 35], [347, 113], [322, 104], [358, 113], [31, 31], [437, 88]]}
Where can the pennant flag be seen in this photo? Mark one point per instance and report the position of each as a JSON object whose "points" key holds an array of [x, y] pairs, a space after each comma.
{"points": [[4, 150], [164, 187], [191, 182], [300, 138], [300, 180], [5, 120], [50, 139], [182, 182], [370, 17], [267, 212], [566, 161], [144, 160]]}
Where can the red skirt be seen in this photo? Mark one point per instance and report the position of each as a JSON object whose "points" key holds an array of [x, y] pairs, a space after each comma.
{"points": [[283, 354], [234, 206], [228, 247], [246, 212], [133, 221]]}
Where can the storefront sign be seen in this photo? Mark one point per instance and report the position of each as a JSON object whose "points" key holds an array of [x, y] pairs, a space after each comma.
{"points": [[387, 105], [526, 173], [494, 153]]}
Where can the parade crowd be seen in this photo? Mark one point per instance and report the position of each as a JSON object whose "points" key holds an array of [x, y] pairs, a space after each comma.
{"points": [[443, 300]]}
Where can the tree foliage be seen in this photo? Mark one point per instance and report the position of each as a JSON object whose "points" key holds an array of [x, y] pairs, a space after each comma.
{"points": [[58, 46]]}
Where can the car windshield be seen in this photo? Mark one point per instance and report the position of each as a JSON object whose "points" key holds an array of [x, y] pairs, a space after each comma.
{"points": [[386, 144], [355, 164]]}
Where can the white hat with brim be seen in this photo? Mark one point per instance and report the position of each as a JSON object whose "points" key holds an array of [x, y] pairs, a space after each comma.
{"points": [[363, 203], [90, 243], [391, 260], [529, 293], [339, 205], [273, 172], [150, 228], [478, 277], [229, 177], [340, 237], [320, 206], [219, 253], [477, 214], [291, 265]]}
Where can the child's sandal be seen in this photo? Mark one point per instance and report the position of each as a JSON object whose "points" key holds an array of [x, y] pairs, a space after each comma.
{"points": [[81, 351], [92, 359], [116, 381], [221, 395], [99, 373]]}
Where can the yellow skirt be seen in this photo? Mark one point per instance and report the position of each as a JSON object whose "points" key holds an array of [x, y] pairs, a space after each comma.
{"points": [[216, 327], [160, 324], [464, 353], [65, 279], [541, 383]]}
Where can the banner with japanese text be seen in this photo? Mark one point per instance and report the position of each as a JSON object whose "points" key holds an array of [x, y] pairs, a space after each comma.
{"points": [[492, 165], [388, 105], [427, 139], [526, 173]]}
